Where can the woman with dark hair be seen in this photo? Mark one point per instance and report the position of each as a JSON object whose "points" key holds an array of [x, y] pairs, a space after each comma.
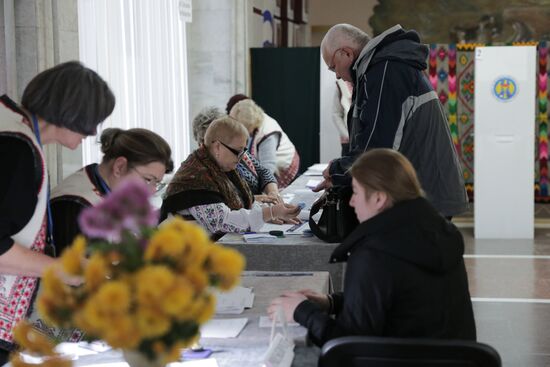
{"points": [[206, 188], [134, 153], [60, 105], [260, 180], [405, 274]]}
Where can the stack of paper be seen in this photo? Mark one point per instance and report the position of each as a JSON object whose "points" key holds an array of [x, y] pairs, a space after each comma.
{"points": [[223, 328], [234, 302], [258, 237]]}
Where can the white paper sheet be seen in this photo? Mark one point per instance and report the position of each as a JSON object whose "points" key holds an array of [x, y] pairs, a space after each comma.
{"points": [[235, 301], [223, 328], [266, 322]]}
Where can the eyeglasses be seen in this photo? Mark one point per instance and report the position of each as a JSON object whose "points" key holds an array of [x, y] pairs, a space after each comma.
{"points": [[332, 66], [238, 153], [150, 181]]}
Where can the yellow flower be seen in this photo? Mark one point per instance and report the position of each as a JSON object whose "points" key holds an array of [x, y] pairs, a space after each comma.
{"points": [[178, 299], [113, 297], [52, 286], [72, 257], [202, 309], [123, 333], [227, 265], [25, 335], [198, 277], [175, 352], [166, 243], [152, 323], [96, 272], [153, 282]]}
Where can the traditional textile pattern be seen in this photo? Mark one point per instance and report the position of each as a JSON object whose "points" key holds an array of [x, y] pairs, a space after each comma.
{"points": [[451, 73], [541, 186]]}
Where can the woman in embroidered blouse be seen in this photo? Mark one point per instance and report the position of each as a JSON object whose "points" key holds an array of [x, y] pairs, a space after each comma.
{"points": [[60, 105], [208, 189], [268, 142], [135, 153], [260, 180]]}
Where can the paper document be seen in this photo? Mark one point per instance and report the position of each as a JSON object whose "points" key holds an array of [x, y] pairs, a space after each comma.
{"points": [[235, 301], [311, 184], [223, 328], [258, 238], [265, 321], [316, 169], [209, 362]]}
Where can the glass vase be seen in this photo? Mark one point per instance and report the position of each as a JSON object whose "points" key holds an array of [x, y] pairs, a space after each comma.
{"points": [[135, 358]]}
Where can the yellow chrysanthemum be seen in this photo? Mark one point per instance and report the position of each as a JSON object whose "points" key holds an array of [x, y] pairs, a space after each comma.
{"points": [[227, 264], [166, 243], [32, 340], [198, 278], [175, 352], [113, 297], [153, 282], [96, 272], [91, 319], [123, 333], [72, 257], [52, 286], [207, 310], [152, 323], [202, 309], [178, 299]]}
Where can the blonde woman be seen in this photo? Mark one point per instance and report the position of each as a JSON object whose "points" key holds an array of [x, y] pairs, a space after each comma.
{"points": [[268, 142], [208, 189], [405, 274]]}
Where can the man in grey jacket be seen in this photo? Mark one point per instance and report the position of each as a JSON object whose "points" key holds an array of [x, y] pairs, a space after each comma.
{"points": [[394, 106]]}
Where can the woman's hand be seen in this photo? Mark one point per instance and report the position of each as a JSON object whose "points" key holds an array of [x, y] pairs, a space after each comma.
{"points": [[288, 303], [266, 199], [286, 212]]}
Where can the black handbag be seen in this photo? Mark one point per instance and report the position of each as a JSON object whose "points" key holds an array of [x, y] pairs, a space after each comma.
{"points": [[337, 219]]}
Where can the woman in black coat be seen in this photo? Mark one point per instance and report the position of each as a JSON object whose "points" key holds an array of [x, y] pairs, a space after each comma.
{"points": [[405, 272]]}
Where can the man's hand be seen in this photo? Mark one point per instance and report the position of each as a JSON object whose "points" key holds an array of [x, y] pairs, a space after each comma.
{"points": [[288, 302], [327, 182]]}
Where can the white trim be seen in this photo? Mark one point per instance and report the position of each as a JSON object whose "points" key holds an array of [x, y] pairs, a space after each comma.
{"points": [[511, 300], [537, 257], [377, 107]]}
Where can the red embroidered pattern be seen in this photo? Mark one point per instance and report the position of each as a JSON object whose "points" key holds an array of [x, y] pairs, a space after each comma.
{"points": [[17, 304]]}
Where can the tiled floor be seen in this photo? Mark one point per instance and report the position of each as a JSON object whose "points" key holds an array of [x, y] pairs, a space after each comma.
{"points": [[510, 286]]}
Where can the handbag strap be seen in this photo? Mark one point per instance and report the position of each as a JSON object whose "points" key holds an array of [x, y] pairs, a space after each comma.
{"points": [[314, 226]]}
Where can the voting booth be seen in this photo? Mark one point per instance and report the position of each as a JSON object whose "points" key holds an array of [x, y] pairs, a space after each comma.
{"points": [[504, 148]]}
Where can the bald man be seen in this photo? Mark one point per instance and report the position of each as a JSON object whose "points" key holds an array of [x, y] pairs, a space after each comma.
{"points": [[394, 106]]}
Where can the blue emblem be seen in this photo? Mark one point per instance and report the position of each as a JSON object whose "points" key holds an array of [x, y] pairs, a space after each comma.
{"points": [[505, 88]]}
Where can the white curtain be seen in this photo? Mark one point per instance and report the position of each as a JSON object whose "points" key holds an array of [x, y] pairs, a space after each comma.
{"points": [[139, 48]]}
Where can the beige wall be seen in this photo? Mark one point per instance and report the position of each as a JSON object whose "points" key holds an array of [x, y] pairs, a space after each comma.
{"points": [[325, 13]]}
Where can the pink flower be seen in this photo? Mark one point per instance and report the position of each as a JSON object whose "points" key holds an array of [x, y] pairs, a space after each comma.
{"points": [[127, 208]]}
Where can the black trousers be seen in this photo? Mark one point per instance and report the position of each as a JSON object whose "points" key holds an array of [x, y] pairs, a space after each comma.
{"points": [[4, 356]]}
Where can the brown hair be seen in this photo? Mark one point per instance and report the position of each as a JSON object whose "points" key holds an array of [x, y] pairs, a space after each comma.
{"points": [[138, 146], [388, 171], [70, 95]]}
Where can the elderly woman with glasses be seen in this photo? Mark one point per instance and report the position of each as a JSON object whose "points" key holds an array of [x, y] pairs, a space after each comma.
{"points": [[208, 189], [260, 180], [128, 154]]}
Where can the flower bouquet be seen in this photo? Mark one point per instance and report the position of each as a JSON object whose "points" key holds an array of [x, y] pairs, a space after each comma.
{"points": [[144, 289]]}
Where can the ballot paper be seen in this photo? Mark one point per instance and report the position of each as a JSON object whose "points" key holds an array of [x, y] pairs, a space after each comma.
{"points": [[259, 238], [265, 321], [223, 328], [235, 301]]}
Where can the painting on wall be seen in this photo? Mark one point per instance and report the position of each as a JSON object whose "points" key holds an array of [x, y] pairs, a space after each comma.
{"points": [[467, 21]]}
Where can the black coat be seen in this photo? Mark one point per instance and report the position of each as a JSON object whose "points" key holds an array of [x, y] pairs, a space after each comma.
{"points": [[405, 278]]}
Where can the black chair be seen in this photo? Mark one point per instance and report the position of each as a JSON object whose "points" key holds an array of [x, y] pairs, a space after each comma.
{"points": [[364, 351]]}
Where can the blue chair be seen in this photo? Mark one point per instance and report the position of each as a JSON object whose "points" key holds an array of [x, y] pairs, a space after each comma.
{"points": [[364, 351]]}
